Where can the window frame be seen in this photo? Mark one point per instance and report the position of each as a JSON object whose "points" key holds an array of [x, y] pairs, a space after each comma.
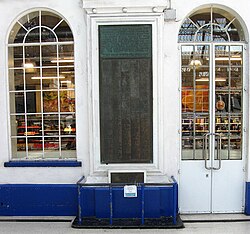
{"points": [[157, 22], [42, 161]]}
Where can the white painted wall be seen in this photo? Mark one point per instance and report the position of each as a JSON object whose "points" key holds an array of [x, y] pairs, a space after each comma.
{"points": [[75, 12]]}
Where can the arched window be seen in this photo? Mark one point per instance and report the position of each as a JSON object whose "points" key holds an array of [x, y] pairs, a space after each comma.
{"points": [[42, 87], [211, 24]]}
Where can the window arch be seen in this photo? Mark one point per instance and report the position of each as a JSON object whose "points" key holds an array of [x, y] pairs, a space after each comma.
{"points": [[211, 25], [42, 87]]}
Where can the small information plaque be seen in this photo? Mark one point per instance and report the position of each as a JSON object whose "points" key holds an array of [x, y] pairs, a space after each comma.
{"points": [[130, 191]]}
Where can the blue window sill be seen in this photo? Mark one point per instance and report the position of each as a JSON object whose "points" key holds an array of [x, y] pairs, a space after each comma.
{"points": [[55, 163]]}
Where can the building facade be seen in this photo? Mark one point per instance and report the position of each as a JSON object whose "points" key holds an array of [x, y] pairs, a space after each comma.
{"points": [[134, 91]]}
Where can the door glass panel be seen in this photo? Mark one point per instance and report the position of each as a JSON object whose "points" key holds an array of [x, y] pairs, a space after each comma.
{"points": [[195, 100], [228, 94]]}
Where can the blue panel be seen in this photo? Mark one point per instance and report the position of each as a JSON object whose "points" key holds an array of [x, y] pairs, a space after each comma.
{"points": [[39, 163], [88, 202], [167, 201], [247, 199], [124, 207], [38, 200], [102, 206], [152, 202]]}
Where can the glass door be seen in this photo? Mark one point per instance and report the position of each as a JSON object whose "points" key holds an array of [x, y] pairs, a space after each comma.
{"points": [[212, 78]]}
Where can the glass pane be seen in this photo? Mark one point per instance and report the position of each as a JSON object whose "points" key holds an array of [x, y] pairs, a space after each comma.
{"points": [[35, 147], [30, 20], [235, 101], [222, 102], [235, 125], [16, 79], [50, 78], [18, 146], [235, 148], [186, 55], [63, 32], [17, 34], [15, 57], [67, 101], [66, 55], [236, 78], [187, 149], [219, 34], [33, 36], [69, 81], [68, 143], [222, 124], [236, 57], [201, 125], [34, 125], [50, 101], [17, 123], [68, 125], [51, 125], [187, 31], [222, 56], [68, 147], [199, 145], [48, 35], [33, 80], [32, 58], [31, 102], [49, 19], [187, 125], [51, 147], [204, 34], [224, 148], [17, 102], [49, 53]]}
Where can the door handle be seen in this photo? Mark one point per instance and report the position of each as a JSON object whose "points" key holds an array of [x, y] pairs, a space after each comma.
{"points": [[205, 149], [218, 150]]}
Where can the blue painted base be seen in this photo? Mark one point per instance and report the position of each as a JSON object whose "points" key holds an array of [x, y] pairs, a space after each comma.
{"points": [[38, 200], [151, 202], [247, 199]]}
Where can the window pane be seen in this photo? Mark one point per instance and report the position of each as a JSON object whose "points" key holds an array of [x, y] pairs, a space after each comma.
{"points": [[48, 35], [35, 147], [67, 101], [68, 147], [50, 101], [49, 53], [68, 125], [64, 32], [50, 78], [18, 146], [51, 125], [33, 36], [32, 57], [17, 125], [51, 147], [16, 80], [66, 55]]}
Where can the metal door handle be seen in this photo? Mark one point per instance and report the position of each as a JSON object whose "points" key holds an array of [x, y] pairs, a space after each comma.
{"points": [[218, 150], [205, 151]]}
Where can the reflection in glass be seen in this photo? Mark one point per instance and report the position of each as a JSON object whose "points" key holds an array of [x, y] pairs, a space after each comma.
{"points": [[50, 101], [18, 146], [51, 125], [68, 125], [211, 21]]}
